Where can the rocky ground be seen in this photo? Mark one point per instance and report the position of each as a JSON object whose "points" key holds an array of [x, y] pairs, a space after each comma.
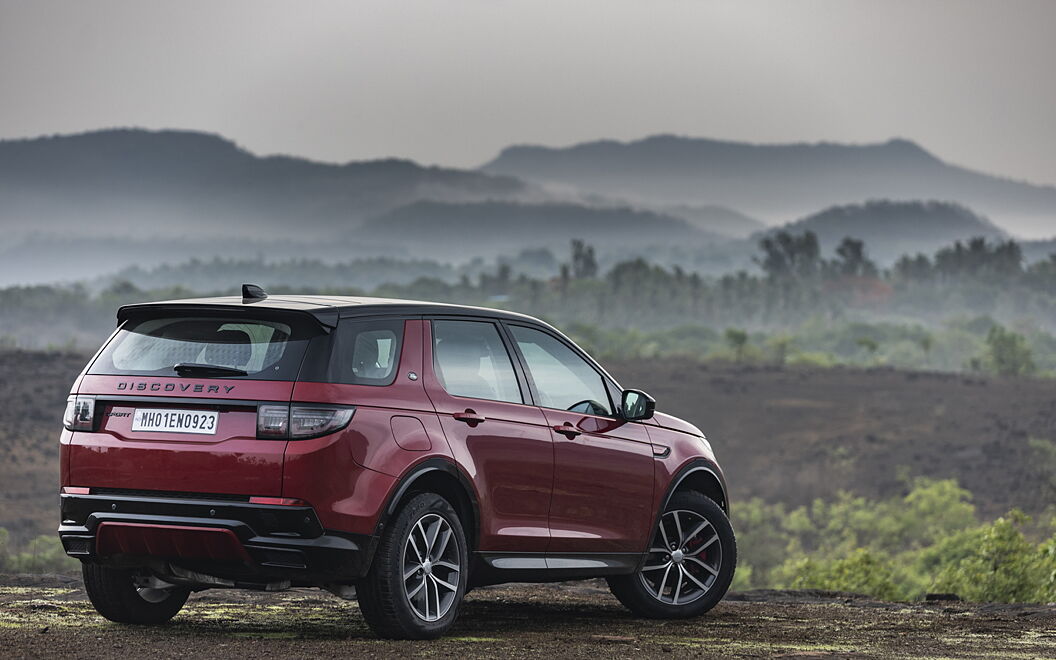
{"points": [[49, 616]]}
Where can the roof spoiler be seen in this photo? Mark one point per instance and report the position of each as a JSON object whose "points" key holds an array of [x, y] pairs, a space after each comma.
{"points": [[327, 318]]}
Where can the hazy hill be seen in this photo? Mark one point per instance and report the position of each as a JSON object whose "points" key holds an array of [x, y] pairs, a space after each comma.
{"points": [[140, 183], [1039, 250], [776, 182], [469, 228], [80, 206], [717, 219], [219, 274], [891, 229]]}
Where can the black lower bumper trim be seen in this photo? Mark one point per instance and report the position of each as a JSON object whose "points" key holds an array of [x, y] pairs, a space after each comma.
{"points": [[284, 542]]}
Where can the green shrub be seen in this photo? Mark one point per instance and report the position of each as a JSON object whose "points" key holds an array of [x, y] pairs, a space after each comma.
{"points": [[812, 359], [995, 563], [736, 339], [902, 547], [4, 551], [43, 554], [860, 572], [1007, 353]]}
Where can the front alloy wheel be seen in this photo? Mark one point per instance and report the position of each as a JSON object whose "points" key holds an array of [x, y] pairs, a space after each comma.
{"points": [[684, 559], [689, 563]]}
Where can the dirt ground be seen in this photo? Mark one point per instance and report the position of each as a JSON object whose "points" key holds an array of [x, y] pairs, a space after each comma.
{"points": [[33, 391], [791, 435], [49, 616], [786, 435]]}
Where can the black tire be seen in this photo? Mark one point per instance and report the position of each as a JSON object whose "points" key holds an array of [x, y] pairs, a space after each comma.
{"points": [[114, 594], [383, 594], [637, 596]]}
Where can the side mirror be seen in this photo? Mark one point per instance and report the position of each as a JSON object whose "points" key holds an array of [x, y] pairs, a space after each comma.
{"points": [[637, 405]]}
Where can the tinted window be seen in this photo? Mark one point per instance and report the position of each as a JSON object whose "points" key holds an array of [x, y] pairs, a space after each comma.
{"points": [[563, 380], [365, 352], [264, 349], [472, 361]]}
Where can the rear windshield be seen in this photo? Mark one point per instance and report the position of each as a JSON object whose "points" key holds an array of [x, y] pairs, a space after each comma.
{"points": [[263, 349]]}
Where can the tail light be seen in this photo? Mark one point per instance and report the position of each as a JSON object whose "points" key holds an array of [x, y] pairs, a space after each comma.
{"points": [[80, 413], [311, 421], [273, 421], [298, 422]]}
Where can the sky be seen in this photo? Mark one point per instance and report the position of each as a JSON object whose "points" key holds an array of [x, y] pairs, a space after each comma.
{"points": [[453, 83]]}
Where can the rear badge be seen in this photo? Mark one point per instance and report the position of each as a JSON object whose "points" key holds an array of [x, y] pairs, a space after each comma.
{"points": [[174, 387]]}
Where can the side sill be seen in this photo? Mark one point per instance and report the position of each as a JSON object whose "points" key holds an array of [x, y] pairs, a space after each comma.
{"points": [[500, 567]]}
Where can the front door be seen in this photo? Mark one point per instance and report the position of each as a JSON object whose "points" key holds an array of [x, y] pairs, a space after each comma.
{"points": [[603, 465], [505, 444]]}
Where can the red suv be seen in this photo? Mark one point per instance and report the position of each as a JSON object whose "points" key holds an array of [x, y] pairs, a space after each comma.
{"points": [[398, 452]]}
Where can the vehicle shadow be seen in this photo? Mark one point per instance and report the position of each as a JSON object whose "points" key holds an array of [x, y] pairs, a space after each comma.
{"points": [[320, 617]]}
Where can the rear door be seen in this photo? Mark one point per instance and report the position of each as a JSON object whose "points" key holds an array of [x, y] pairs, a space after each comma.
{"points": [[190, 428], [503, 442]]}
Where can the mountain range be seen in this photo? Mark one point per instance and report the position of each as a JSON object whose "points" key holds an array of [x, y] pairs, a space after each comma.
{"points": [[74, 206], [140, 183], [497, 226], [778, 182]]}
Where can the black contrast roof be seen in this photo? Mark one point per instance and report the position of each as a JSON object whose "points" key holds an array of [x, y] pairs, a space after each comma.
{"points": [[326, 309]]}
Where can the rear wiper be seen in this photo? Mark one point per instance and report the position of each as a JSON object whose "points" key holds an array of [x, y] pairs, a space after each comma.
{"points": [[193, 369]]}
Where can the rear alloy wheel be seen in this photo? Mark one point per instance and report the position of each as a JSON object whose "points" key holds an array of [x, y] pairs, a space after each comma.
{"points": [[418, 576], [689, 565], [431, 567], [127, 596]]}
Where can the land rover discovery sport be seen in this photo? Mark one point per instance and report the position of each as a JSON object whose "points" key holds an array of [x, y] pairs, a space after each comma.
{"points": [[397, 452]]}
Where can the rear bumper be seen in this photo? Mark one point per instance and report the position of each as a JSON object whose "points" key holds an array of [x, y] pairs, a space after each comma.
{"points": [[233, 539]]}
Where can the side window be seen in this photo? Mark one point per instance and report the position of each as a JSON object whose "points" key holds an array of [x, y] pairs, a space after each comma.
{"points": [[366, 352], [471, 361], [563, 380]]}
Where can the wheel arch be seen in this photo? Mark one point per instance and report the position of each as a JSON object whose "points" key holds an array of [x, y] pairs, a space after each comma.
{"points": [[699, 475], [443, 477], [703, 477]]}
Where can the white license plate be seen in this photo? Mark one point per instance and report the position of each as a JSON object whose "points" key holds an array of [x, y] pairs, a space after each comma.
{"points": [[175, 421]]}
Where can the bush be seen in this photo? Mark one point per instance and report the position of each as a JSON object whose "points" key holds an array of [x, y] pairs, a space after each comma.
{"points": [[1007, 353], [43, 554], [899, 548], [996, 563], [812, 359], [859, 572], [4, 540]]}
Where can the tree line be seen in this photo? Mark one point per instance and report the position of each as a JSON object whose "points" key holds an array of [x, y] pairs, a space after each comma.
{"points": [[971, 305]]}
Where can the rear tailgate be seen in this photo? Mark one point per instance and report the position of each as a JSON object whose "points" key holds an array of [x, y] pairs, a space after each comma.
{"points": [[175, 395], [199, 454]]}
